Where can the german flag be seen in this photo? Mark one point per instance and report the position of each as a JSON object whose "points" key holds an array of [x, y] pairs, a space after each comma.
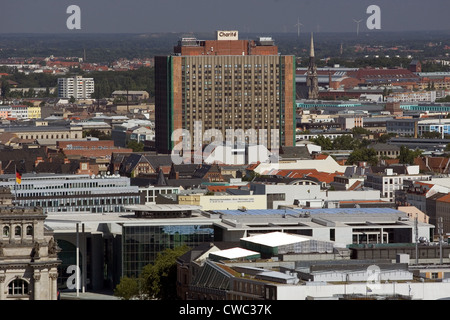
{"points": [[18, 177]]}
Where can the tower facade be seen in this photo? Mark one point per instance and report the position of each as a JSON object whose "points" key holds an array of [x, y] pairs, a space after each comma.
{"points": [[224, 84], [77, 87], [312, 80], [28, 255]]}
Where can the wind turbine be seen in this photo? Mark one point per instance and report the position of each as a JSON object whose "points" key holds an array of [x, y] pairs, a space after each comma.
{"points": [[357, 26], [298, 25]]}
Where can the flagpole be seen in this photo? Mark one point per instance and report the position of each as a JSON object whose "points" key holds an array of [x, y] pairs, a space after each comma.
{"points": [[15, 184]]}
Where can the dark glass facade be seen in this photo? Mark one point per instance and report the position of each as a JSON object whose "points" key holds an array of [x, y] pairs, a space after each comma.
{"points": [[141, 244]]}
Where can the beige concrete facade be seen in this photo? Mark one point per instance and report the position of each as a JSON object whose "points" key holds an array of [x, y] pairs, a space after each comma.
{"points": [[28, 256], [224, 202]]}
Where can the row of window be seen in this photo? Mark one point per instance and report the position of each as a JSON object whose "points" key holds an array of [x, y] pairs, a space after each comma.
{"points": [[17, 231], [80, 202], [74, 185], [236, 66], [47, 136]]}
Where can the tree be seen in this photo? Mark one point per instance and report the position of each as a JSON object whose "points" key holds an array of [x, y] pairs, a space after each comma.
{"points": [[385, 137], [72, 99], [368, 155], [345, 142], [324, 142], [407, 156], [96, 133], [156, 281], [431, 135], [160, 277], [360, 131], [136, 146], [5, 88], [128, 288]]}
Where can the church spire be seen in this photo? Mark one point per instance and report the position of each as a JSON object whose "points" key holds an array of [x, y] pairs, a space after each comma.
{"points": [[311, 52], [312, 79]]}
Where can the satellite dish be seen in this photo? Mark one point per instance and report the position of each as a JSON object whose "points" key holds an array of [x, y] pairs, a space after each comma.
{"points": [[93, 176]]}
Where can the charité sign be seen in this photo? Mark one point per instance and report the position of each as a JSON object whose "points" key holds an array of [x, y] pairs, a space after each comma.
{"points": [[227, 35]]}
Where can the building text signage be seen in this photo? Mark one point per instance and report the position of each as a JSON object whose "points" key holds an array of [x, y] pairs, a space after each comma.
{"points": [[227, 35]]}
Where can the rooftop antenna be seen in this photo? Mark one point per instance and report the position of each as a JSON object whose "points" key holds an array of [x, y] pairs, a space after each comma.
{"points": [[416, 228], [298, 25], [441, 237], [357, 26]]}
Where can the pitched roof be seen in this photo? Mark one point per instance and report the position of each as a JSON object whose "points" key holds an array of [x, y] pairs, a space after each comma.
{"points": [[157, 161], [307, 173], [161, 180], [384, 147], [445, 198], [297, 152], [220, 188]]}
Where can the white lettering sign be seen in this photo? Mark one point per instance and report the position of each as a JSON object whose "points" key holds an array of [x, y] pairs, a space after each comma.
{"points": [[227, 35]]}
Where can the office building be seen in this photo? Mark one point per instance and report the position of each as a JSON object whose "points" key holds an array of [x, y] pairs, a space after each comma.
{"points": [[72, 193], [417, 127], [225, 84], [121, 244], [77, 87]]}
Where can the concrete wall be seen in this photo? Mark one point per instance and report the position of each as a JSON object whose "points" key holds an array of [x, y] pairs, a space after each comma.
{"points": [[419, 290], [233, 202]]}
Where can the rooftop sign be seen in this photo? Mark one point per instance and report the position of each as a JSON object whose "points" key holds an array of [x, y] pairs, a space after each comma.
{"points": [[227, 35]]}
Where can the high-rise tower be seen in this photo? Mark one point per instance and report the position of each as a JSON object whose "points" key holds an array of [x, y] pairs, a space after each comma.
{"points": [[311, 78], [224, 84]]}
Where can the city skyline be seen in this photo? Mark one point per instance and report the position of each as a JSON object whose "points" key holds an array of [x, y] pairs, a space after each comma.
{"points": [[139, 16]]}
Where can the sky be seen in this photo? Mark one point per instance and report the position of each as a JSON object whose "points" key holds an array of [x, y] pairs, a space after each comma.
{"points": [[265, 16]]}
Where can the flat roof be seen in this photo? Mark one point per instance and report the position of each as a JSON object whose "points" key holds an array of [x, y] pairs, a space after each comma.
{"points": [[275, 239], [263, 212], [161, 207], [235, 253]]}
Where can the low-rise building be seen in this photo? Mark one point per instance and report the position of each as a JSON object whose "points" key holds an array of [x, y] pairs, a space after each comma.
{"points": [[388, 182], [72, 193], [89, 148]]}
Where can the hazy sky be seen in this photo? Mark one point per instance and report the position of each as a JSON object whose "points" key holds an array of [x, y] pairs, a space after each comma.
{"points": [[143, 16]]}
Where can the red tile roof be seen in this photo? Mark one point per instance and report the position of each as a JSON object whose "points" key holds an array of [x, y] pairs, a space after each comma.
{"points": [[221, 188], [445, 198], [305, 173]]}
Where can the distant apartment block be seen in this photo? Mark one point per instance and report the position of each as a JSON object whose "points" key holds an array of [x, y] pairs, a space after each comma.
{"points": [[77, 87], [413, 96], [20, 112], [132, 95]]}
